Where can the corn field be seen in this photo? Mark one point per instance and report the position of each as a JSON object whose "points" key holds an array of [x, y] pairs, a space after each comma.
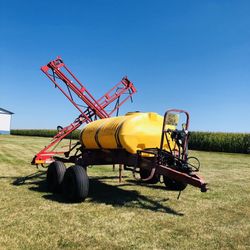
{"points": [[205, 141]]}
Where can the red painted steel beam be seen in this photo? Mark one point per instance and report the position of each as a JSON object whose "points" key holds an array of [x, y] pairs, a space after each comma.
{"points": [[192, 179], [58, 70]]}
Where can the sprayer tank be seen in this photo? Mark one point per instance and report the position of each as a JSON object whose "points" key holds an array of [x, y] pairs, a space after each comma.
{"points": [[132, 132]]}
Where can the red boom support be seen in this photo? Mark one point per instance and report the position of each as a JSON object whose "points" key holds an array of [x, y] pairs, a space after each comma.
{"points": [[90, 108]]}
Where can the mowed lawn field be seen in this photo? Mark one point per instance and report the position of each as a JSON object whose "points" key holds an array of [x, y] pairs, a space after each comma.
{"points": [[123, 215]]}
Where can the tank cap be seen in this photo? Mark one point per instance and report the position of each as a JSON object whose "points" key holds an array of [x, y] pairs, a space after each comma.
{"points": [[133, 112], [153, 116]]}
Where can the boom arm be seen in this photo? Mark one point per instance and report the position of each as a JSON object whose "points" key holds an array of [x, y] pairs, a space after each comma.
{"points": [[90, 108]]}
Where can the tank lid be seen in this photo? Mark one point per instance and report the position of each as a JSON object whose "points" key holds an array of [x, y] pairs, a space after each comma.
{"points": [[133, 113], [153, 116]]}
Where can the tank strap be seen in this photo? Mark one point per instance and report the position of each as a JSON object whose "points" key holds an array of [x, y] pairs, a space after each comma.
{"points": [[96, 135], [82, 143], [117, 138]]}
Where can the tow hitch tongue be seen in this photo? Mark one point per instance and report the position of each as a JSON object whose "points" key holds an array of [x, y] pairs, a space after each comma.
{"points": [[189, 178]]}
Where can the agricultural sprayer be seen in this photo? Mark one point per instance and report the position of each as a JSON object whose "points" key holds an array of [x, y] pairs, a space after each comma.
{"points": [[151, 146]]}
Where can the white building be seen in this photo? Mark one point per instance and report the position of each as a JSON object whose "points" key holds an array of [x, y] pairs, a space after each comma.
{"points": [[5, 120]]}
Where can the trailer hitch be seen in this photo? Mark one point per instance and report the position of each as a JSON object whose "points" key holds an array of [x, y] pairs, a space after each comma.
{"points": [[189, 178]]}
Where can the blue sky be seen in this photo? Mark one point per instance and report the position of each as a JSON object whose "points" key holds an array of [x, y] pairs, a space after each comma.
{"points": [[193, 55]]}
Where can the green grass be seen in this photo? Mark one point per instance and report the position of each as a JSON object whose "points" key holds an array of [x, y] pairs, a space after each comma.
{"points": [[123, 215], [43, 133]]}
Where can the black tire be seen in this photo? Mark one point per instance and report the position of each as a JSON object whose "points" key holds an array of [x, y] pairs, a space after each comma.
{"points": [[76, 184], [144, 173], [173, 184], [55, 174]]}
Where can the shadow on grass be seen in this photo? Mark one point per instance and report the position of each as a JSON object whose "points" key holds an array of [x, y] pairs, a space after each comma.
{"points": [[100, 192], [143, 184], [21, 180]]}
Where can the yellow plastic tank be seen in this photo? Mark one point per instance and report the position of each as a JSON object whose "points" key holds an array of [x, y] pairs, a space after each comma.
{"points": [[132, 132]]}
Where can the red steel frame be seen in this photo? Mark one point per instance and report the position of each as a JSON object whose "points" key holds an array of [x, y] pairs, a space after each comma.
{"points": [[61, 76]]}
